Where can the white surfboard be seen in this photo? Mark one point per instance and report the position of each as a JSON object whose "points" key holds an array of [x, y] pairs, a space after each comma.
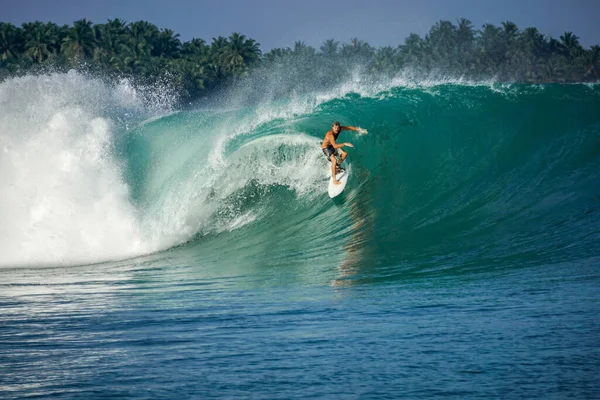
{"points": [[335, 190]]}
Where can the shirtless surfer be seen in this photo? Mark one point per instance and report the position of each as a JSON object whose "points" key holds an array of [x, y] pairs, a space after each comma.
{"points": [[331, 148]]}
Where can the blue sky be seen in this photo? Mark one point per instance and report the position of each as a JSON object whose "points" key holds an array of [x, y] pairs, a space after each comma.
{"points": [[280, 23]]}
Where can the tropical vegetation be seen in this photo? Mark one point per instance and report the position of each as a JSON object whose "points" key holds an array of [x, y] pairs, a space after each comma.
{"points": [[143, 51]]}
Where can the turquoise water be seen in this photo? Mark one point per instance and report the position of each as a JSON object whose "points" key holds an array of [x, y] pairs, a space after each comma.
{"points": [[149, 252]]}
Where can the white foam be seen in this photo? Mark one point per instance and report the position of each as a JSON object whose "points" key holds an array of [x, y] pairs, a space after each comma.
{"points": [[301, 169], [241, 221], [63, 199]]}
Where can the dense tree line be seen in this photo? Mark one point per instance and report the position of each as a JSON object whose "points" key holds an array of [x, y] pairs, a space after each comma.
{"points": [[142, 50]]}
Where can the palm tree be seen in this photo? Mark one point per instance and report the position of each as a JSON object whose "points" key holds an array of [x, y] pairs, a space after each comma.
{"points": [[510, 31], [81, 40], [54, 35], [412, 50], [232, 61], [533, 41], [133, 57], [218, 45], [465, 41], [135, 48], [385, 61], [141, 35], [247, 49], [357, 50], [302, 49], [9, 41], [143, 31], [569, 45], [492, 49], [40, 40], [216, 72], [112, 35], [277, 54], [510, 35], [238, 53], [235, 54], [109, 38], [465, 34], [442, 38], [592, 63], [195, 47], [116, 26], [530, 50], [554, 69], [330, 48], [166, 44]]}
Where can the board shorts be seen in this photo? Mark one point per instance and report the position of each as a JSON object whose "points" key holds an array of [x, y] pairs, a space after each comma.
{"points": [[329, 150]]}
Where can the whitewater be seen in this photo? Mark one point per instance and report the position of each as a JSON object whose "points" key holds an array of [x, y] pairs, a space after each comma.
{"points": [[149, 250]]}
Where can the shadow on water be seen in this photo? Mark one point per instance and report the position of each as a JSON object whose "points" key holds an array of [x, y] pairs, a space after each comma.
{"points": [[362, 215]]}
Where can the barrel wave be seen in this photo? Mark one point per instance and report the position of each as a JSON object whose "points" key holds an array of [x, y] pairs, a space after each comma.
{"points": [[150, 251], [453, 176]]}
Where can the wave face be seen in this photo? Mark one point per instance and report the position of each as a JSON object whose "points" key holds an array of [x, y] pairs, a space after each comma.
{"points": [[452, 176]]}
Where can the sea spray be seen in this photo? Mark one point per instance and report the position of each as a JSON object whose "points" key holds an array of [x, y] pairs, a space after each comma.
{"points": [[63, 197]]}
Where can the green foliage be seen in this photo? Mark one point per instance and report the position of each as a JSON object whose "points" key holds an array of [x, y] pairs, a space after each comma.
{"points": [[142, 50], [80, 41]]}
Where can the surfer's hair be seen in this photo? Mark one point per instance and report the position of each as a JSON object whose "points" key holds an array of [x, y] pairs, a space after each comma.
{"points": [[336, 123]]}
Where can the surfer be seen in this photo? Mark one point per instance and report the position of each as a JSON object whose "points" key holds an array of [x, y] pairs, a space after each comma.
{"points": [[331, 148]]}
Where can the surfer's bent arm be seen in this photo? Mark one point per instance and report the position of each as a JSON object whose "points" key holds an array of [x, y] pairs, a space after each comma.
{"points": [[334, 144], [338, 146]]}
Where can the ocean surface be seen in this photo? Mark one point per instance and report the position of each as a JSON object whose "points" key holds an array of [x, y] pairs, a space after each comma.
{"points": [[151, 252]]}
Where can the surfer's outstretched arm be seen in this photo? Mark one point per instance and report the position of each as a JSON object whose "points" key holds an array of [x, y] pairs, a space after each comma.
{"points": [[353, 128]]}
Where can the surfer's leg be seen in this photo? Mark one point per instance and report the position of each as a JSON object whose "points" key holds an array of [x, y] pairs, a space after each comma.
{"points": [[333, 169], [343, 156]]}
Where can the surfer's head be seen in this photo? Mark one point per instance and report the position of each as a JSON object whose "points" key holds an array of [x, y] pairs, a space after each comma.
{"points": [[335, 127]]}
